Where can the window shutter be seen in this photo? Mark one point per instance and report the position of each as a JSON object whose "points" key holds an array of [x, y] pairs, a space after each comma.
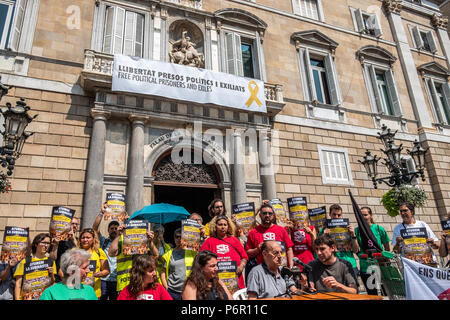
{"points": [[431, 42], [230, 53], [109, 30], [17, 23], [128, 44], [139, 40], [446, 89], [417, 37], [359, 20], [435, 100], [309, 76], [332, 79], [296, 7], [238, 55], [119, 26], [374, 24], [376, 93], [393, 92]]}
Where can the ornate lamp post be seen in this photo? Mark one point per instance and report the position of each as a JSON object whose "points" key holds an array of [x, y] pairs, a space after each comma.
{"points": [[398, 175], [16, 119]]}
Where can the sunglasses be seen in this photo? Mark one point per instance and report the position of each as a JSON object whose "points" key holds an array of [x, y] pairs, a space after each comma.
{"points": [[267, 213]]}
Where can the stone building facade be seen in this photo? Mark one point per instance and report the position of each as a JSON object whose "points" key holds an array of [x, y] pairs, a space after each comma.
{"points": [[334, 72]]}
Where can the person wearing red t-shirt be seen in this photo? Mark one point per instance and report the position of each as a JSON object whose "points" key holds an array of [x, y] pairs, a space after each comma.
{"points": [[267, 230], [227, 247], [303, 237], [143, 281]]}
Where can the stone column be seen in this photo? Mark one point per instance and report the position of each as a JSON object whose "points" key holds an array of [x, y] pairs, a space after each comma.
{"points": [[93, 192], [440, 24], [238, 173], [393, 9], [266, 166], [135, 182]]}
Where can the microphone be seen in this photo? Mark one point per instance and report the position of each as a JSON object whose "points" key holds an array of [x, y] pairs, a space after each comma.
{"points": [[306, 267], [286, 272]]}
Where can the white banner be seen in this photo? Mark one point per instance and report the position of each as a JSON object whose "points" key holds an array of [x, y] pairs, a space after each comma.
{"points": [[426, 283], [185, 83]]}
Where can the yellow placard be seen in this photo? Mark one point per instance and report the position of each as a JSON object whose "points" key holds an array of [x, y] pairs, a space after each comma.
{"points": [[136, 231], [36, 274], [61, 218], [15, 239], [415, 240]]}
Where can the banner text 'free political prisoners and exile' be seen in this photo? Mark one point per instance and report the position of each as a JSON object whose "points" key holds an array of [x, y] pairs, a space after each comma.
{"points": [[187, 84]]}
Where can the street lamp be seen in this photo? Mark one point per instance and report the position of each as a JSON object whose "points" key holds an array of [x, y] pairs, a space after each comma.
{"points": [[16, 119], [393, 161]]}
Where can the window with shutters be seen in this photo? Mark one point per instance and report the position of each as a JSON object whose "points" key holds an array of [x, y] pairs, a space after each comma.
{"points": [[435, 78], [308, 8], [423, 39], [335, 165], [124, 32], [12, 14], [380, 81], [240, 43], [367, 23], [240, 55], [318, 75]]}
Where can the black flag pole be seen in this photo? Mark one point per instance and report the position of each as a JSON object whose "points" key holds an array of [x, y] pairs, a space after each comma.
{"points": [[368, 241]]}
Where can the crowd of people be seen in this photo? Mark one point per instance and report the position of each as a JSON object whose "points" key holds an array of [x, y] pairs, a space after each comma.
{"points": [[92, 266]]}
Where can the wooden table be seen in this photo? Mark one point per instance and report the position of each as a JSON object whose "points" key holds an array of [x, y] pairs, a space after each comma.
{"points": [[330, 296]]}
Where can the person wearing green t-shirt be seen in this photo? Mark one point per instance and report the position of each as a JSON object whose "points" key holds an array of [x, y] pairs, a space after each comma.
{"points": [[335, 212], [383, 240], [74, 266]]}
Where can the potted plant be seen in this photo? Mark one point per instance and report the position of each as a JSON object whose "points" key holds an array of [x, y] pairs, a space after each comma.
{"points": [[405, 193]]}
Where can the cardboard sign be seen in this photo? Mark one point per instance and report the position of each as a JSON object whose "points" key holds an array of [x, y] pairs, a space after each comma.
{"points": [[60, 222], [135, 240], [339, 232], [15, 243], [318, 217], [36, 279], [245, 216], [298, 211], [116, 207], [280, 213], [415, 246], [190, 234], [227, 273]]}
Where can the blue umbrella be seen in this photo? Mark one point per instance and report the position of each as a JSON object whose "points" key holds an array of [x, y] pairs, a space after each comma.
{"points": [[161, 213]]}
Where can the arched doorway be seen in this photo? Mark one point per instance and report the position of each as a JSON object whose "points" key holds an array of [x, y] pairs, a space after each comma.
{"points": [[189, 185]]}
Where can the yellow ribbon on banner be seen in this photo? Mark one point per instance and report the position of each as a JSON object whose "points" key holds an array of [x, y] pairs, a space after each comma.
{"points": [[253, 97]]}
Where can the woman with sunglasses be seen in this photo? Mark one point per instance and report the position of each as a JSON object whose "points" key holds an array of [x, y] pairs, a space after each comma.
{"points": [[98, 263], [203, 282], [143, 281], [227, 247], [36, 272]]}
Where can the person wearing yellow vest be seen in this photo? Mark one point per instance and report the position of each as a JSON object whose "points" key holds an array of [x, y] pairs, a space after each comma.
{"points": [[125, 262], [177, 265], [161, 246]]}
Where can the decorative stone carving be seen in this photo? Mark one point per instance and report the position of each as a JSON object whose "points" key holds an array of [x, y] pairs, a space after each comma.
{"points": [[439, 21], [394, 6], [167, 170], [196, 4], [184, 52]]}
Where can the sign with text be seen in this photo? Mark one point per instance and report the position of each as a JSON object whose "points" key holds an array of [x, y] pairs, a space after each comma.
{"points": [[174, 81]]}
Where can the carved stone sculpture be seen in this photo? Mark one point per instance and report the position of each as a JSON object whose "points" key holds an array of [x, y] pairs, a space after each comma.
{"points": [[184, 52]]}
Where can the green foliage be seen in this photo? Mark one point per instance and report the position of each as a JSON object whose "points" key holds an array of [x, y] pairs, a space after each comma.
{"points": [[5, 185], [405, 193]]}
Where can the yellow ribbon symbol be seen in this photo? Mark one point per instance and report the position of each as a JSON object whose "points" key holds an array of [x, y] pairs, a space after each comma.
{"points": [[253, 91]]}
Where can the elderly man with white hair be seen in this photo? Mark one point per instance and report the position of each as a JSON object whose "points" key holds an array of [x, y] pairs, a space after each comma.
{"points": [[265, 280], [74, 265]]}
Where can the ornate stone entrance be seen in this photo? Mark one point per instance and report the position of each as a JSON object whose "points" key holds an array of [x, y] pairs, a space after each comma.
{"points": [[192, 186]]}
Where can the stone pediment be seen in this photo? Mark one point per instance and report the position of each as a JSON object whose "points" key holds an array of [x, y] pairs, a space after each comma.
{"points": [[375, 53], [241, 17], [314, 37], [434, 68]]}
